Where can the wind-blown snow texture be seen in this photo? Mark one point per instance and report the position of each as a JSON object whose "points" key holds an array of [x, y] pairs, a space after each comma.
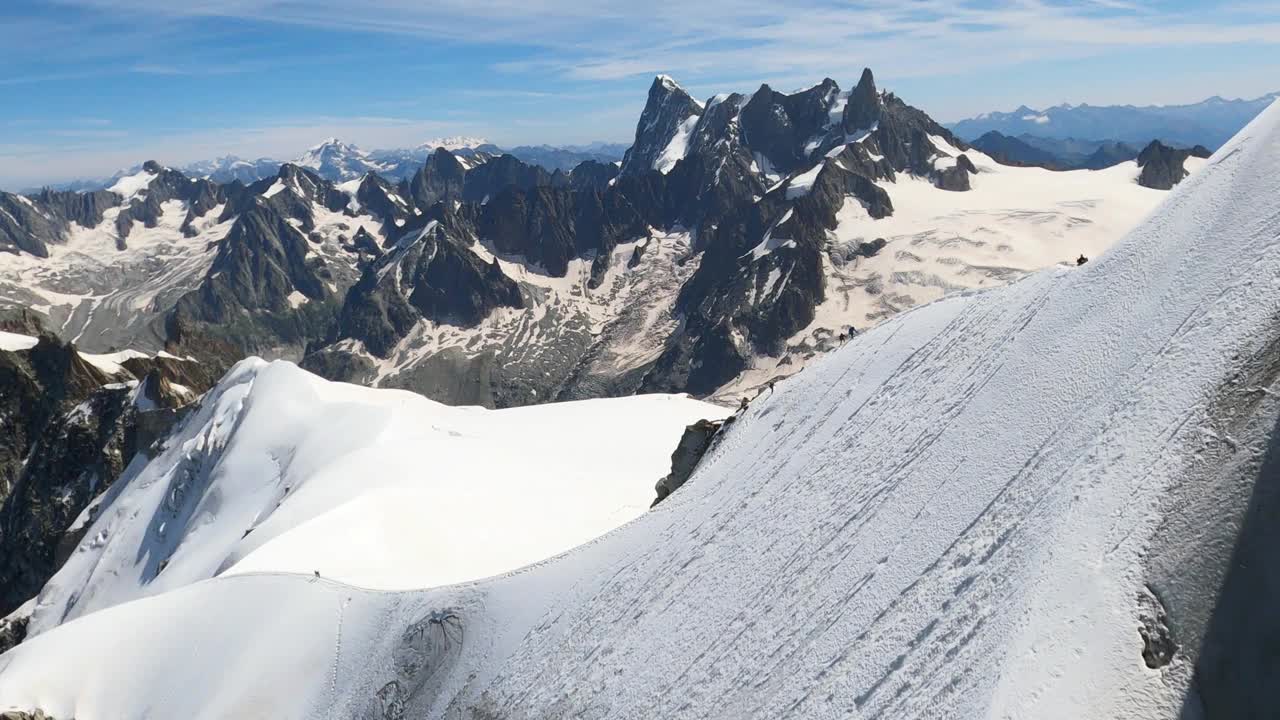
{"points": [[949, 517]]}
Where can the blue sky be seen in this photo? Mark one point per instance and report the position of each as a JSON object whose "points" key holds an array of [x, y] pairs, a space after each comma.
{"points": [[94, 85]]}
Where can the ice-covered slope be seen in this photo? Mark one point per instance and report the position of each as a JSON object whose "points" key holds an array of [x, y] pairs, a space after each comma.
{"points": [[281, 471], [966, 512]]}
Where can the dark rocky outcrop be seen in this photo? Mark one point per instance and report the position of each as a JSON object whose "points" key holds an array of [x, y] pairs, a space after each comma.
{"points": [[1158, 645], [870, 249], [13, 630], [500, 174], [548, 227], [441, 178], [362, 242], [22, 321], [954, 178], [1162, 166], [38, 385], [694, 444], [593, 175], [292, 193], [83, 208], [863, 109]]}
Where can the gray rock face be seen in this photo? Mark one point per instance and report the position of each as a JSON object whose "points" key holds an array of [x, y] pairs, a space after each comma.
{"points": [[862, 111], [248, 295], [1207, 609], [695, 443], [39, 385], [667, 108], [24, 228], [20, 715], [1162, 166], [440, 178], [955, 179], [500, 174], [592, 175], [779, 126], [168, 184]]}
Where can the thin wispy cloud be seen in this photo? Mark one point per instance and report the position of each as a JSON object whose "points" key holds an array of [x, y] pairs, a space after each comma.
{"points": [[611, 40], [182, 77]]}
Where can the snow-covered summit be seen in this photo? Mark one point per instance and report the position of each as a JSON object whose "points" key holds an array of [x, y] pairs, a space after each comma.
{"points": [[453, 142], [133, 185], [336, 159]]}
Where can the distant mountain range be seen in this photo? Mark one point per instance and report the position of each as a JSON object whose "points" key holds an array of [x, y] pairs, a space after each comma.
{"points": [[1209, 123], [738, 238], [1064, 154], [338, 161]]}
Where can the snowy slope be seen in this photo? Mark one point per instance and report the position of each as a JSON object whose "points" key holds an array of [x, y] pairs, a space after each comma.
{"points": [[282, 471], [954, 516]]}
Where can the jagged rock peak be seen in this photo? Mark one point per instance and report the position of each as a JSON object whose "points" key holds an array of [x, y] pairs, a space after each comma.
{"points": [[667, 114], [864, 106]]}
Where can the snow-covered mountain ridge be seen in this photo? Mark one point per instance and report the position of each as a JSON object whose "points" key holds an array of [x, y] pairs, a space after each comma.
{"points": [[346, 161], [281, 471], [741, 237], [1041, 500]]}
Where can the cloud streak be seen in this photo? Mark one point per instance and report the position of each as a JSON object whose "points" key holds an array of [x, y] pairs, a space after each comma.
{"points": [[612, 39], [570, 70]]}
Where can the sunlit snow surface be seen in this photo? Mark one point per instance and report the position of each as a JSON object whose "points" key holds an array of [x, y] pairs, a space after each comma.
{"points": [[948, 518], [281, 471], [13, 341]]}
